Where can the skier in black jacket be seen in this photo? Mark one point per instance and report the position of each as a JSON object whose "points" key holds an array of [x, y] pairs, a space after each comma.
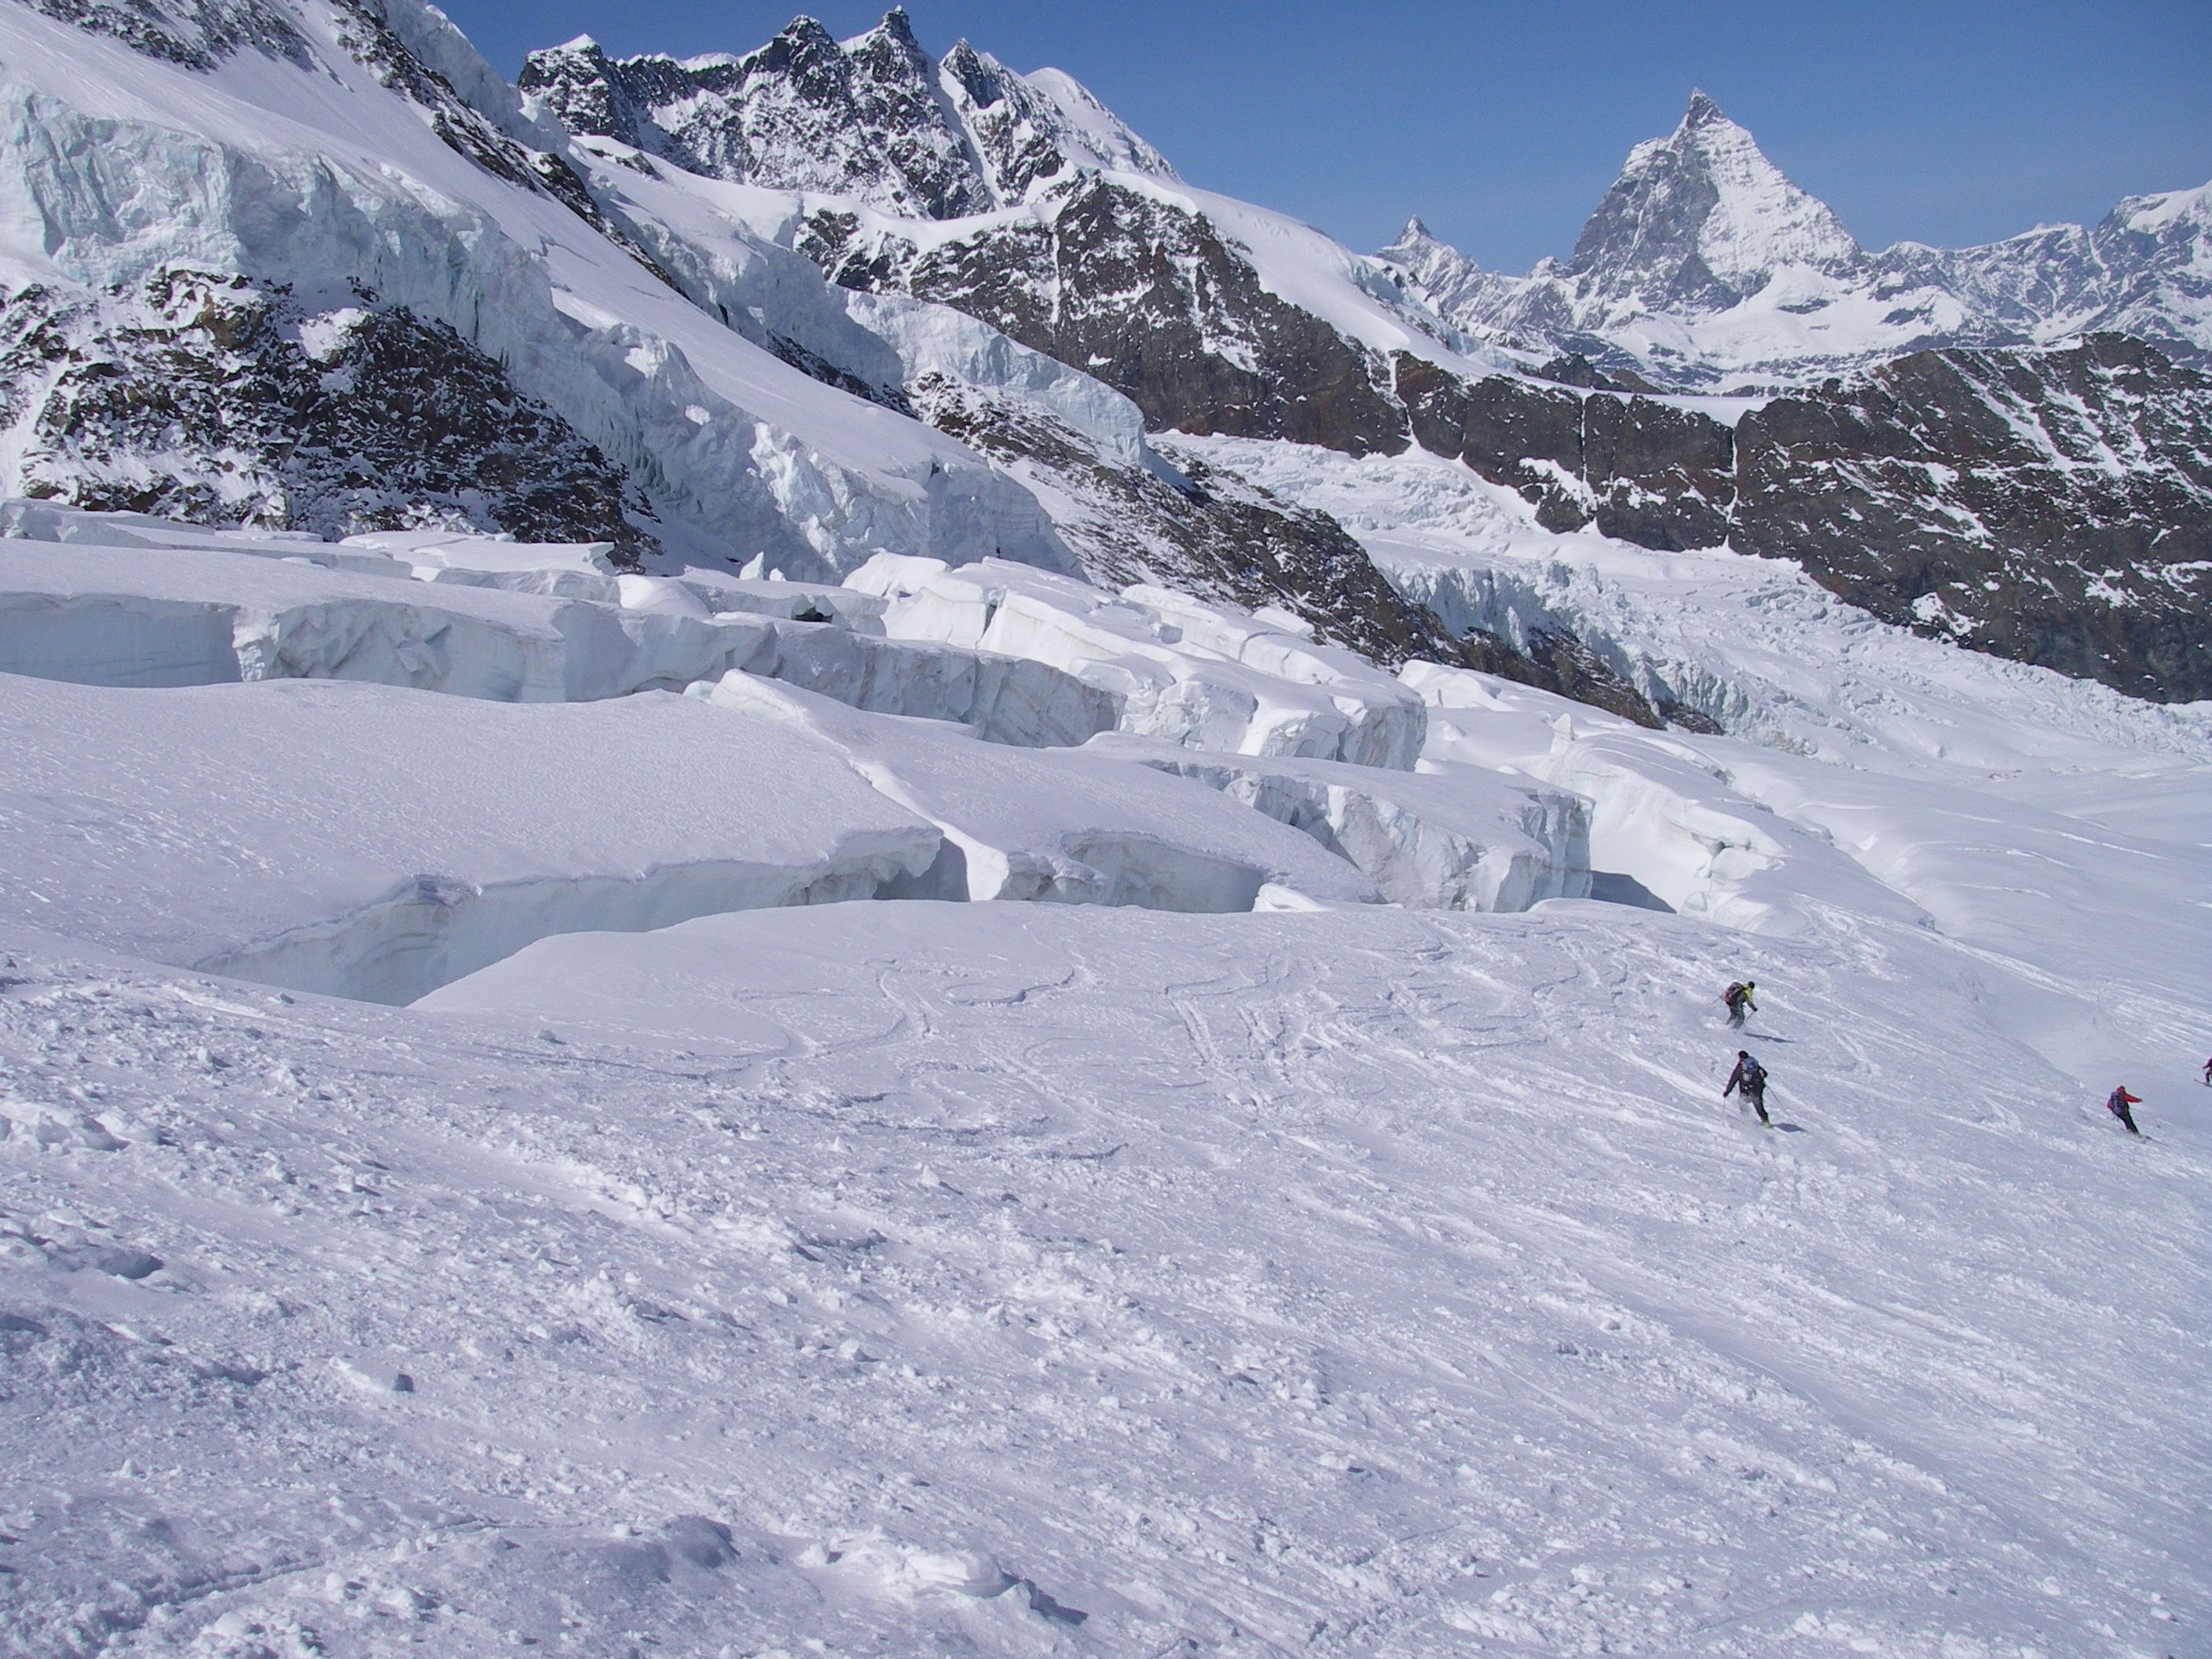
{"points": [[1750, 1076]]}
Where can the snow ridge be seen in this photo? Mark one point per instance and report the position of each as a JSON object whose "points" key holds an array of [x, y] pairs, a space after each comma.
{"points": [[870, 119]]}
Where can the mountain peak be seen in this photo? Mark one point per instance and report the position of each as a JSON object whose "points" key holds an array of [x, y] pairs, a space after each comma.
{"points": [[894, 26], [1701, 218], [1702, 113]]}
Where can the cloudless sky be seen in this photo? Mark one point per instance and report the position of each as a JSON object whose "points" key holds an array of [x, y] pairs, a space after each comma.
{"points": [[1501, 124]]}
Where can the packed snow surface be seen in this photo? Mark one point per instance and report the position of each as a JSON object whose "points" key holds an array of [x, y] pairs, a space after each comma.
{"points": [[1348, 1271]]}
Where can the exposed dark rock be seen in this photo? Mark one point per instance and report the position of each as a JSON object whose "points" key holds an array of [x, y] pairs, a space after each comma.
{"points": [[2055, 507], [205, 398], [1664, 477], [1153, 300], [1571, 368], [196, 33], [1639, 470]]}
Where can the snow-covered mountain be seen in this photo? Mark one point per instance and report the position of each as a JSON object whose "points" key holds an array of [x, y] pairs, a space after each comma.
{"points": [[871, 119], [242, 207], [596, 310], [1019, 956], [1705, 268], [1213, 317]]}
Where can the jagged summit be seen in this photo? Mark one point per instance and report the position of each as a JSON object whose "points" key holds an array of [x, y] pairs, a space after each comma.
{"points": [[1701, 218], [871, 117], [1705, 267]]}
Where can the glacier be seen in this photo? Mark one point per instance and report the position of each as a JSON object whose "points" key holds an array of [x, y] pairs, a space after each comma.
{"points": [[699, 962]]}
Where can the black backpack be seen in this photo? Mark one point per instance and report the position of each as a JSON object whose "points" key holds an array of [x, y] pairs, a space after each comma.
{"points": [[1754, 1075]]}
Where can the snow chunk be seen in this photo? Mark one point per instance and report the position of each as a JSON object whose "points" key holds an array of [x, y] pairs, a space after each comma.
{"points": [[1468, 840], [1056, 825], [373, 842], [1207, 676]]}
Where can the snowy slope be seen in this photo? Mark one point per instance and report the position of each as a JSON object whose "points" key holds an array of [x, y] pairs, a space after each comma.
{"points": [[325, 176], [903, 1275], [1022, 1115]]}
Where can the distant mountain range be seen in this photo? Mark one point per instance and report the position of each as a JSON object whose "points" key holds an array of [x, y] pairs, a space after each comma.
{"points": [[1705, 268], [312, 264]]}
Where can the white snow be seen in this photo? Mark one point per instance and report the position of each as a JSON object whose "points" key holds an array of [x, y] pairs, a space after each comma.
{"points": [[370, 841], [1060, 826], [917, 1276], [1307, 1226], [1207, 675], [512, 622]]}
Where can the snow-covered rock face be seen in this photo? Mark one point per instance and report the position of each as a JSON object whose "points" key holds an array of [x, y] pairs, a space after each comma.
{"points": [[1700, 219], [199, 396], [870, 119], [368, 178], [1705, 268]]}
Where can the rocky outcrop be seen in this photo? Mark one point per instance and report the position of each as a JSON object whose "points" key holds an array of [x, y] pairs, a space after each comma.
{"points": [[1645, 472], [2055, 508], [203, 397], [803, 112], [196, 33], [1149, 296]]}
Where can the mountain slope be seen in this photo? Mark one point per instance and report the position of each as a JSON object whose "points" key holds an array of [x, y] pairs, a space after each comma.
{"points": [[343, 167], [1014, 1278], [1705, 268]]}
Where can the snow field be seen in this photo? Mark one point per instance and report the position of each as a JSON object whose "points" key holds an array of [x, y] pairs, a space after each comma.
{"points": [[429, 875], [1028, 1280], [1062, 826], [370, 841], [1060, 1278]]}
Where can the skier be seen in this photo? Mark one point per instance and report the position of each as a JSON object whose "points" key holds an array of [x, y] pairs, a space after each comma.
{"points": [[1738, 998], [1750, 1076], [2208, 1074], [2118, 1104]]}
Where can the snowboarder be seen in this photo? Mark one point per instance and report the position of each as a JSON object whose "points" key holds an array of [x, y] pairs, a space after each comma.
{"points": [[2117, 1106], [1738, 998], [1750, 1076]]}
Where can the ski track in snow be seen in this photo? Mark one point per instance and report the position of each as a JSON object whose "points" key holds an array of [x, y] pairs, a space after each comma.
{"points": [[1376, 1283]]}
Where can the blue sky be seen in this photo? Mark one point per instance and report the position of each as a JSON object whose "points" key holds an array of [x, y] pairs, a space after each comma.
{"points": [[1502, 124]]}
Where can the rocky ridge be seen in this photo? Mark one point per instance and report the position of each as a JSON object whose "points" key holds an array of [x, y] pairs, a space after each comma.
{"points": [[1705, 269], [1004, 256], [1137, 284], [871, 119]]}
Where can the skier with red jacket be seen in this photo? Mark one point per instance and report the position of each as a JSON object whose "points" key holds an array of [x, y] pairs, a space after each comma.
{"points": [[2117, 1106]]}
